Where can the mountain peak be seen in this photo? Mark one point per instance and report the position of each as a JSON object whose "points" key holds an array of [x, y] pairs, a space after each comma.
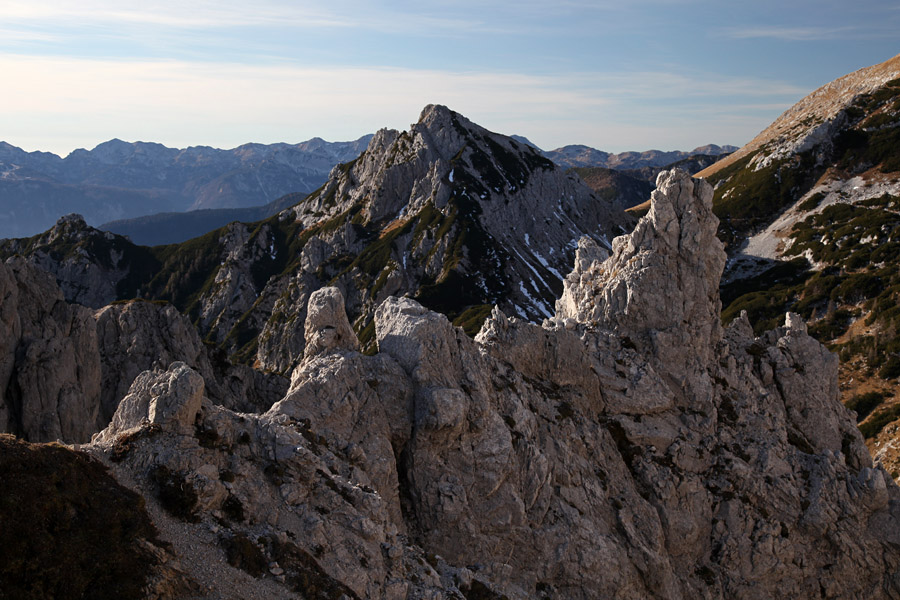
{"points": [[433, 112]]}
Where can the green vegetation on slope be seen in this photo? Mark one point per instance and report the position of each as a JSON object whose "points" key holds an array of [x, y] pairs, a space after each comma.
{"points": [[860, 247], [747, 199], [750, 199]]}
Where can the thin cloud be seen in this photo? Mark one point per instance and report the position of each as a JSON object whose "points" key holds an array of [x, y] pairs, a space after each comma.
{"points": [[222, 15], [183, 103], [168, 14], [655, 85], [790, 34], [10, 35]]}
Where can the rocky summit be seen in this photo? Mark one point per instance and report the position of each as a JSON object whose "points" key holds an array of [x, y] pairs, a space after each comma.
{"points": [[457, 217], [628, 447]]}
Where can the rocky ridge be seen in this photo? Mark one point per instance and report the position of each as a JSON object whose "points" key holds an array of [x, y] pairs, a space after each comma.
{"points": [[65, 367], [629, 447], [810, 210], [449, 213], [91, 267], [814, 119]]}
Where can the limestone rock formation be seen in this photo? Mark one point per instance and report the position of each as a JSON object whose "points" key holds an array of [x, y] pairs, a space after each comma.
{"points": [[169, 399], [64, 368], [585, 458], [327, 327], [137, 336], [88, 264], [50, 365]]}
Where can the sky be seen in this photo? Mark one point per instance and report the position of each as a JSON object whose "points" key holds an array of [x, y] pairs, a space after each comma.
{"points": [[614, 75]]}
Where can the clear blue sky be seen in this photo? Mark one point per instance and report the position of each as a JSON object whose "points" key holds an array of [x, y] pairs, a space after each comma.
{"points": [[624, 75]]}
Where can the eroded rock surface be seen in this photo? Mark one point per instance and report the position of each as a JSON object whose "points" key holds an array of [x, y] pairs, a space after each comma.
{"points": [[64, 368], [50, 365], [611, 453]]}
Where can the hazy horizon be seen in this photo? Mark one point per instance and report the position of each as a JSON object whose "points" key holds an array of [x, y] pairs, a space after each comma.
{"points": [[650, 74]]}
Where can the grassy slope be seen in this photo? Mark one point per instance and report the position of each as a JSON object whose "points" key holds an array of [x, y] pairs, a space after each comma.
{"points": [[853, 302]]}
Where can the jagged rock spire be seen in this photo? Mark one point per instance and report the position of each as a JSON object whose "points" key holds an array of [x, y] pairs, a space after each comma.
{"points": [[660, 287]]}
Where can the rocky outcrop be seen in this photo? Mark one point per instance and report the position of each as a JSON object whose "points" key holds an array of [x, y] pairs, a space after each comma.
{"points": [[88, 264], [234, 289], [138, 336], [50, 367], [168, 400], [585, 458], [327, 327], [64, 368]]}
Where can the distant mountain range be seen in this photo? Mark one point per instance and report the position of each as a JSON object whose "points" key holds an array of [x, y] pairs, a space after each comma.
{"points": [[577, 155], [120, 180], [160, 195]]}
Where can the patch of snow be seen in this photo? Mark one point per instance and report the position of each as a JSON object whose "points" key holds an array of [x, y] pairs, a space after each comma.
{"points": [[605, 241], [451, 175], [546, 265], [481, 284], [539, 304]]}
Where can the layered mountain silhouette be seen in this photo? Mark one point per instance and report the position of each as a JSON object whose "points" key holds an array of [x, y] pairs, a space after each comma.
{"points": [[591, 428], [118, 180]]}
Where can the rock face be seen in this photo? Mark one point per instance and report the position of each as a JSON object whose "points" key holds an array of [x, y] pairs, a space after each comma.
{"points": [[612, 452], [50, 367], [88, 264], [64, 368], [138, 336], [170, 400], [327, 327]]}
